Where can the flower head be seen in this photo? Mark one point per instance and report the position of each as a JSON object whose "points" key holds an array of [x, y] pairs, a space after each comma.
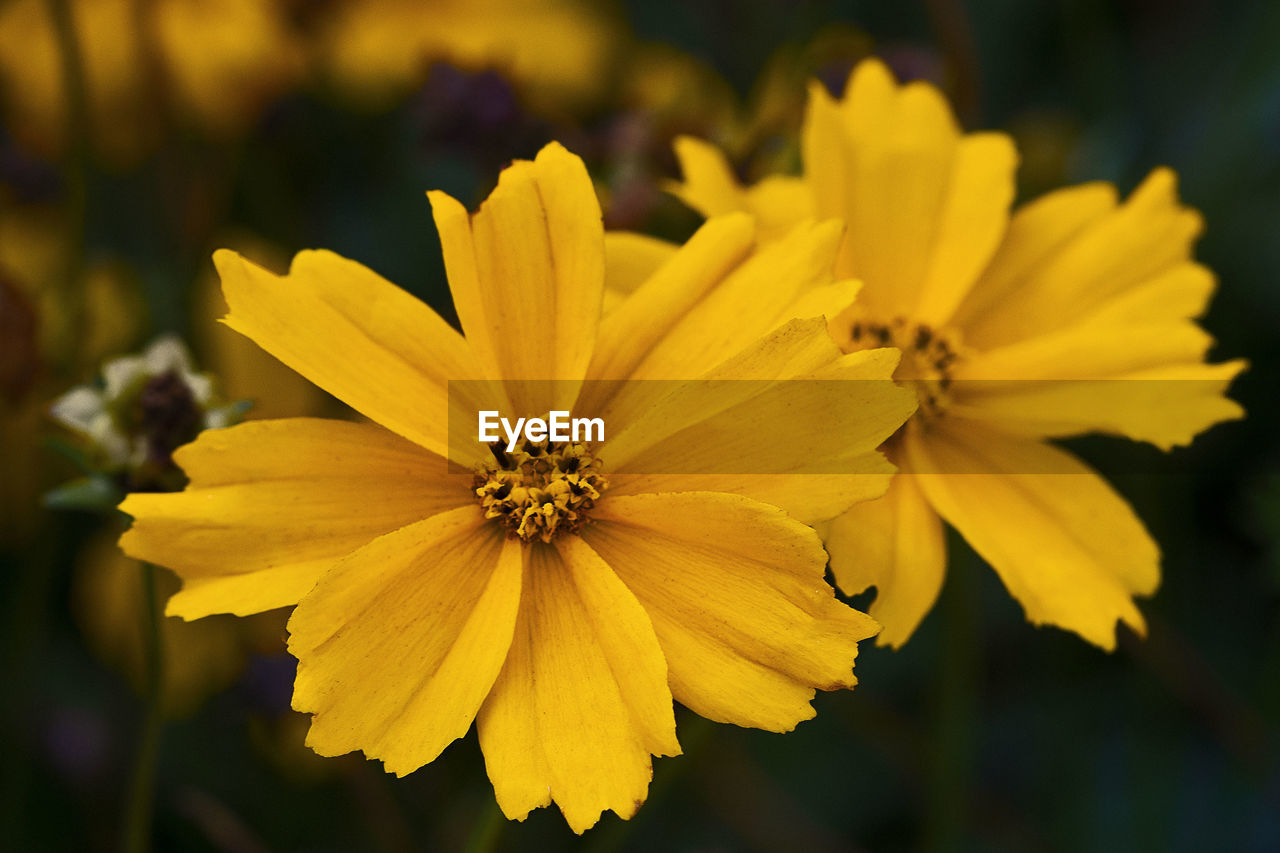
{"points": [[146, 407], [213, 63], [1074, 315], [559, 594]]}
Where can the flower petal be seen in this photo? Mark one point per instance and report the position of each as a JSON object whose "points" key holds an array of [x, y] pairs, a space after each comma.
{"points": [[353, 333], [630, 259], [705, 307], [440, 594], [1070, 254], [778, 202], [925, 205], [271, 504], [736, 594], [1167, 406], [754, 415], [1065, 544], [895, 544], [527, 275], [583, 698]]}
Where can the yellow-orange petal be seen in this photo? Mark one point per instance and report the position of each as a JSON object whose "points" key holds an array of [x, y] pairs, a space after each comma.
{"points": [[709, 186], [821, 419], [1166, 405], [924, 205], [353, 333], [399, 643], [711, 321], [583, 700], [736, 594], [527, 275], [895, 544], [1066, 545], [630, 258], [1069, 255], [272, 504]]}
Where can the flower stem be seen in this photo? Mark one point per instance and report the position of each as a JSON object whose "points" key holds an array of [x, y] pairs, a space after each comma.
{"points": [[957, 707], [76, 174], [487, 829], [138, 815]]}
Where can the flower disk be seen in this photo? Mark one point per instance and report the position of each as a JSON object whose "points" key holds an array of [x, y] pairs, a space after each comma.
{"points": [[929, 355], [541, 490]]}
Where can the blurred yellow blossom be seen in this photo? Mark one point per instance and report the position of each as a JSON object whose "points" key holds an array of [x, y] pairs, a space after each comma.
{"points": [[211, 64], [72, 324], [559, 52], [200, 658]]}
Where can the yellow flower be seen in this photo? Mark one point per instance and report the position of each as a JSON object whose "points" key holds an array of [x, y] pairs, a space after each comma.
{"points": [[214, 63], [1074, 291], [563, 594], [376, 51]]}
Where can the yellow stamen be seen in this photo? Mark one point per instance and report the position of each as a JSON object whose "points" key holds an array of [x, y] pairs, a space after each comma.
{"points": [[541, 490], [928, 354]]}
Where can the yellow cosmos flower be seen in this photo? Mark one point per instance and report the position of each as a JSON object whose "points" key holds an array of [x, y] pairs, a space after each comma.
{"points": [[560, 595], [214, 63], [1069, 294], [558, 51]]}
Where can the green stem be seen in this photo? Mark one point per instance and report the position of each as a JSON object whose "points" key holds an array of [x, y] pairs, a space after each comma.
{"points": [[76, 175], [954, 743], [487, 829], [138, 814]]}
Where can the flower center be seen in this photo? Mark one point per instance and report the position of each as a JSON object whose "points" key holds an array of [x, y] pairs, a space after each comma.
{"points": [[541, 490], [928, 355]]}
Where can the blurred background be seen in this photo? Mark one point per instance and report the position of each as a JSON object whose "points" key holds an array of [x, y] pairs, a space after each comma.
{"points": [[139, 136]]}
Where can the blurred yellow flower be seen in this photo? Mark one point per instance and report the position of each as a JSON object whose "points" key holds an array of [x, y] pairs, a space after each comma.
{"points": [[1075, 286], [200, 658], [34, 266], [559, 52], [211, 63], [559, 603]]}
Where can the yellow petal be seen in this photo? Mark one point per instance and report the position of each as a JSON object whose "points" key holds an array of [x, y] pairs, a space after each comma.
{"points": [[527, 275], [399, 643], [639, 323], [754, 299], [925, 206], [736, 594], [1166, 405], [582, 700], [1067, 547], [244, 370], [709, 185], [778, 203], [813, 422], [808, 498], [353, 333], [271, 504], [631, 258], [1036, 231], [895, 544], [1069, 256]]}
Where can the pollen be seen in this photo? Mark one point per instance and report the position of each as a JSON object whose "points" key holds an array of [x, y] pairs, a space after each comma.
{"points": [[542, 490], [928, 355]]}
